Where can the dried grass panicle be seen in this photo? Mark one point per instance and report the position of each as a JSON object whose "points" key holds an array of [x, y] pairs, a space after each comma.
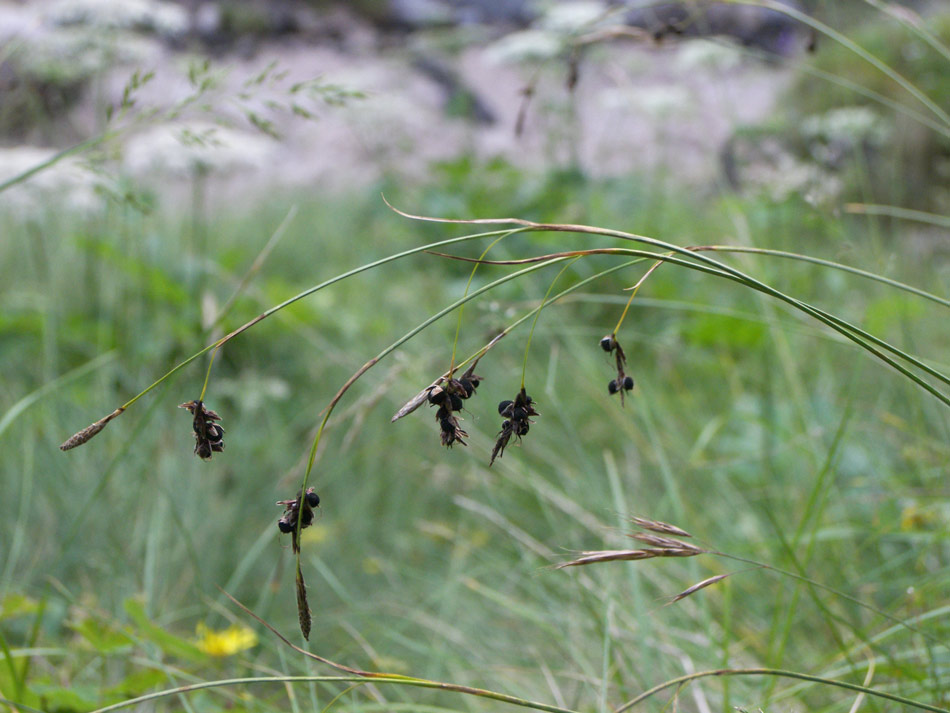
{"points": [[303, 607], [661, 527], [597, 556], [699, 585], [665, 542], [86, 434]]}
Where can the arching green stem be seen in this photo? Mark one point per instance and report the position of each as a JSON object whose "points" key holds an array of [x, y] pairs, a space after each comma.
{"points": [[537, 314], [681, 680]]}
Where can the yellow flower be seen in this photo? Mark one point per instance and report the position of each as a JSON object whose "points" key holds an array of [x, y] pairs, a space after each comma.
{"points": [[226, 642]]}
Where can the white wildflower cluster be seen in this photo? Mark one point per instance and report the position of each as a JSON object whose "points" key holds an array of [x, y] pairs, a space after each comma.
{"points": [[71, 54], [707, 55], [183, 149], [526, 46], [68, 185], [655, 102], [552, 33], [163, 18], [780, 175], [571, 17], [850, 126]]}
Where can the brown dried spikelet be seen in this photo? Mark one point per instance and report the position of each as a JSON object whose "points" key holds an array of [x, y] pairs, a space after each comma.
{"points": [[86, 434], [303, 608], [662, 527], [699, 585], [664, 542]]}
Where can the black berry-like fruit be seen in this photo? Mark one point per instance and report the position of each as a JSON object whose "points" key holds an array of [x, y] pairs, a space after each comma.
{"points": [[607, 343], [612, 386], [628, 383]]}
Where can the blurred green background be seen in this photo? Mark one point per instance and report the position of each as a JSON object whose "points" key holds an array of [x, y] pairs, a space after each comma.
{"points": [[763, 434]]}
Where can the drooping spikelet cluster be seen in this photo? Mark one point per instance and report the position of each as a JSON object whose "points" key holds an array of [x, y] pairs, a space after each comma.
{"points": [[450, 396], [209, 436], [516, 423], [298, 509]]}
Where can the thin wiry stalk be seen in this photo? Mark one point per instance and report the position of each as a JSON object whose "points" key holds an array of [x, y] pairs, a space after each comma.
{"points": [[94, 428], [468, 285], [537, 315], [848, 330], [633, 293], [415, 401], [837, 265], [328, 410], [681, 680], [893, 211], [903, 15], [850, 44], [54, 159], [836, 592], [395, 680]]}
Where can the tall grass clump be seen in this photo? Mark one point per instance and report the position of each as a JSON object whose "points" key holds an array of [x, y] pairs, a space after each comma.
{"points": [[750, 389]]}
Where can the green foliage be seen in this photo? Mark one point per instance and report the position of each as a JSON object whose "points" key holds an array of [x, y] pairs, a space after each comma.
{"points": [[763, 433]]}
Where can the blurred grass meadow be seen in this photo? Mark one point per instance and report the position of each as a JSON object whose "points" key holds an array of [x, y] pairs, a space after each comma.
{"points": [[764, 434]]}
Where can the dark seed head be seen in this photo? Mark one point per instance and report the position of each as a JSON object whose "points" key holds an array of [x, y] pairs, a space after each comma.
{"points": [[504, 407], [475, 382], [313, 500], [612, 386], [628, 383], [519, 414], [523, 427], [469, 388], [607, 343], [284, 526], [447, 425], [457, 404], [436, 396]]}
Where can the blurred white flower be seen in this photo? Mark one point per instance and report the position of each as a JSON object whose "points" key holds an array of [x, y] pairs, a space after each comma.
{"points": [[700, 55], [848, 125], [183, 149], [67, 185], [779, 175], [73, 54], [572, 16], [525, 46], [164, 18], [657, 102]]}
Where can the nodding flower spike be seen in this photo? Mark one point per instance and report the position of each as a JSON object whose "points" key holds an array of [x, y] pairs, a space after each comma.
{"points": [[516, 423], [450, 397], [623, 382], [297, 510], [209, 436]]}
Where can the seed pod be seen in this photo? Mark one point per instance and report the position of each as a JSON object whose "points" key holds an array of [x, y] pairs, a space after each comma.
{"points": [[523, 427], [457, 404], [504, 408], [437, 395], [612, 386], [313, 500], [284, 526], [608, 343], [628, 383]]}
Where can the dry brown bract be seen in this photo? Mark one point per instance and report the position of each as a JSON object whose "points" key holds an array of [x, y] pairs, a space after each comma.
{"points": [[209, 436]]}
